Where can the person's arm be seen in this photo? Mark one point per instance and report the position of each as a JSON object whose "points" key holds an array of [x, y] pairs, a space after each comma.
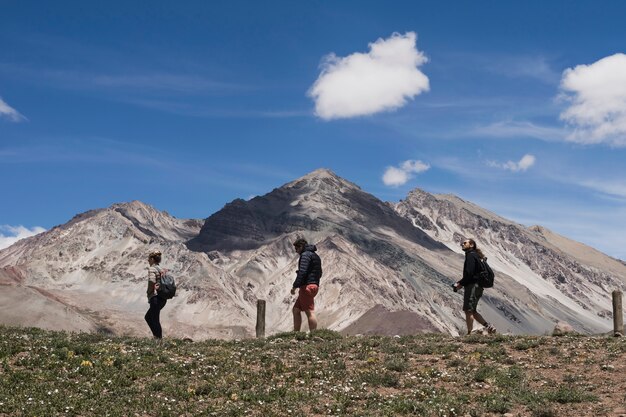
{"points": [[303, 269], [151, 289], [468, 271], [152, 284]]}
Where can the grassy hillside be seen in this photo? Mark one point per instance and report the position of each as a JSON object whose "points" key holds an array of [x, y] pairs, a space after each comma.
{"points": [[52, 373]]}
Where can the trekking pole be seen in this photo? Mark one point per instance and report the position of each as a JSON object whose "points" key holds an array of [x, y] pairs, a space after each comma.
{"points": [[260, 318], [618, 315]]}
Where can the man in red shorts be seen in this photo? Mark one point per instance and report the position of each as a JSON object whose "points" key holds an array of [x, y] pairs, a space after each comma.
{"points": [[307, 282]]}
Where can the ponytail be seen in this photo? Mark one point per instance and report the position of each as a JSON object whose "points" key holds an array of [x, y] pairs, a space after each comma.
{"points": [[480, 253]]}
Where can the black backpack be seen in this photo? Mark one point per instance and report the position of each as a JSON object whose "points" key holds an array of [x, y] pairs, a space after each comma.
{"points": [[167, 285], [486, 276]]}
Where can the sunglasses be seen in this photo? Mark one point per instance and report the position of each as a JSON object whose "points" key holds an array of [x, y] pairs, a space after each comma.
{"points": [[463, 243]]}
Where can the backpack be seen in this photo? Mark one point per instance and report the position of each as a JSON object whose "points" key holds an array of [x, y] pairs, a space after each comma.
{"points": [[486, 276], [167, 285]]}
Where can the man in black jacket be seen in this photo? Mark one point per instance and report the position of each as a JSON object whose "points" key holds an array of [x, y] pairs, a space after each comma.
{"points": [[472, 291], [307, 282]]}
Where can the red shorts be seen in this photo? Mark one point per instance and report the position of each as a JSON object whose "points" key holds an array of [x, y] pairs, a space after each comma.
{"points": [[306, 295]]}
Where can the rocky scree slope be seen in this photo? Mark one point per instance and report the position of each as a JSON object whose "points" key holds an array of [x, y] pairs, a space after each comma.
{"points": [[562, 274]]}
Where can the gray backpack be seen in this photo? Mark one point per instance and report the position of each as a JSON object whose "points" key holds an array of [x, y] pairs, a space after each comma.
{"points": [[167, 285]]}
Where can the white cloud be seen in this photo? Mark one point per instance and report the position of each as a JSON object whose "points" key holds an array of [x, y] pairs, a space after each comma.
{"points": [[9, 112], [513, 129], [615, 189], [523, 66], [396, 176], [597, 93], [161, 82], [522, 165], [15, 233], [367, 83]]}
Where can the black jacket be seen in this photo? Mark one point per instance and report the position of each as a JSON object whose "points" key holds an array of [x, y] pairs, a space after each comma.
{"points": [[309, 268], [471, 268]]}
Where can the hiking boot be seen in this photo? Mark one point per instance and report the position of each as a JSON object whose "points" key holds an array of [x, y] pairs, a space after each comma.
{"points": [[491, 329]]}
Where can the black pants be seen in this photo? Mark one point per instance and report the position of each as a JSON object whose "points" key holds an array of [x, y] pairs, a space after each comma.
{"points": [[152, 316]]}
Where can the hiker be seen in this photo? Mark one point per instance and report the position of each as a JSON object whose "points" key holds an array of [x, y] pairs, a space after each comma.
{"points": [[307, 283], [472, 291], [156, 303]]}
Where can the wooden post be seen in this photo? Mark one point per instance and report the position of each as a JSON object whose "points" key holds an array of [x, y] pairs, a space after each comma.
{"points": [[260, 318], [618, 315]]}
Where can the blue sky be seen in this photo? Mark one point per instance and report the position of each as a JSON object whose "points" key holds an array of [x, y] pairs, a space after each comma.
{"points": [[518, 107]]}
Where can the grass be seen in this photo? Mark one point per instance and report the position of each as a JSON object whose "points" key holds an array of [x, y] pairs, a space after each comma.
{"points": [[56, 373]]}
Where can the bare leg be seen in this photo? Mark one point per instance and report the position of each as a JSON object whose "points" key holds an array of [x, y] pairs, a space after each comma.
{"points": [[297, 319], [480, 318], [469, 320], [310, 315]]}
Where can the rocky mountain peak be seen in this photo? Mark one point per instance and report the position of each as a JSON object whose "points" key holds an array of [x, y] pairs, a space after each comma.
{"points": [[134, 205], [419, 196], [155, 223], [137, 209], [322, 173], [537, 229], [294, 206], [100, 227], [322, 181], [320, 201]]}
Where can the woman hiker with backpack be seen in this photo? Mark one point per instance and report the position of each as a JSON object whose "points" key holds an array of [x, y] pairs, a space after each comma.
{"points": [[156, 303], [472, 291]]}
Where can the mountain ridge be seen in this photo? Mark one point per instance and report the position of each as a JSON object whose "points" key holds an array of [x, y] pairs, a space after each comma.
{"points": [[378, 256]]}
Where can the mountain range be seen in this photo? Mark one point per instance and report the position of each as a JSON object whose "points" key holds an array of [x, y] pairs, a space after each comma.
{"points": [[388, 267]]}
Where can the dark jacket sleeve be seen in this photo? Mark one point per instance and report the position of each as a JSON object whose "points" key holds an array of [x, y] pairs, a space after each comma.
{"points": [[303, 269], [470, 268]]}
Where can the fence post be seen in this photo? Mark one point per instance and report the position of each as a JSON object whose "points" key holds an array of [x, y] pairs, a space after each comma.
{"points": [[260, 318], [618, 315]]}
